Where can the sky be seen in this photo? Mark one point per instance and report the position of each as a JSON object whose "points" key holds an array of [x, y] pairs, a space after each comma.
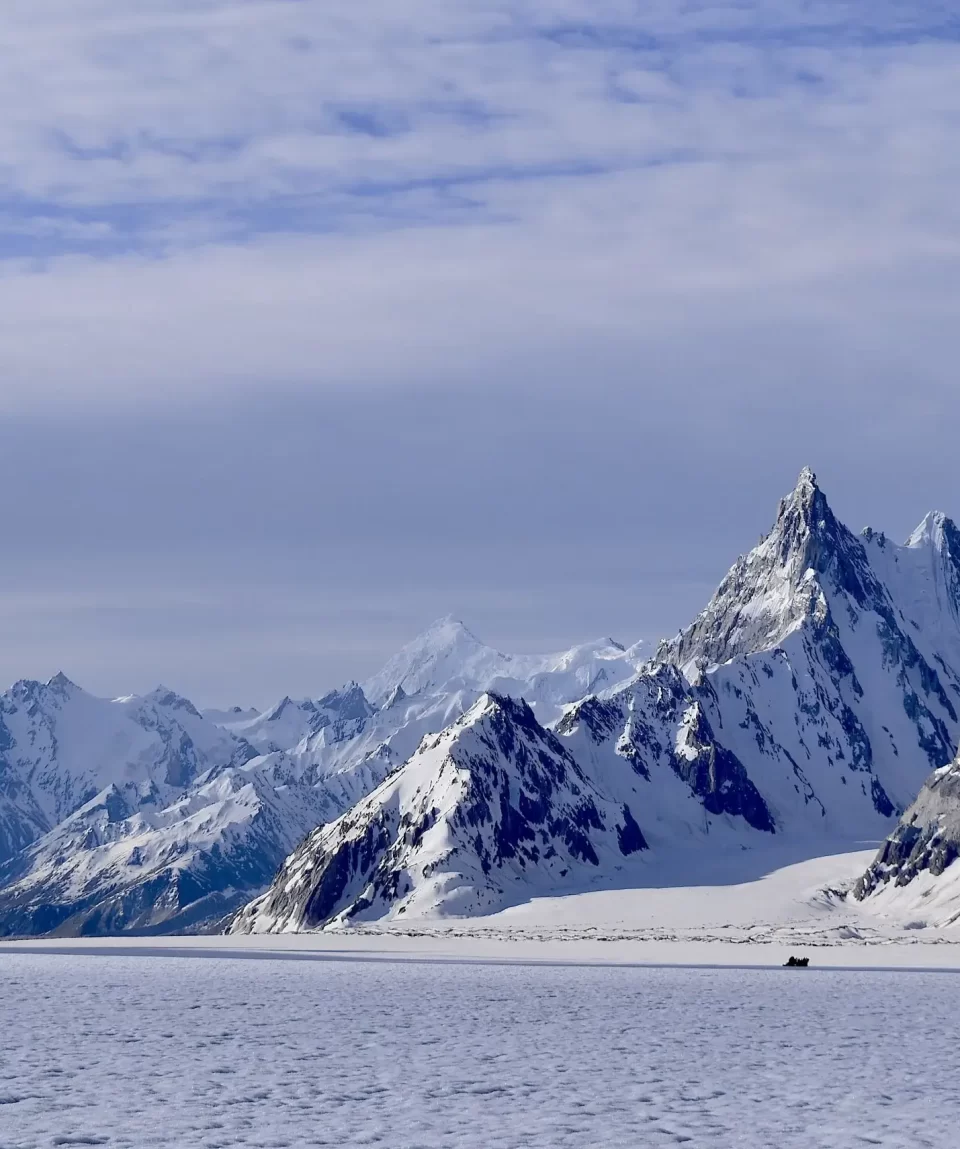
{"points": [[321, 320]]}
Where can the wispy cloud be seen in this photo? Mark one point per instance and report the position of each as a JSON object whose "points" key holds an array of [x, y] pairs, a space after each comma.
{"points": [[331, 191]]}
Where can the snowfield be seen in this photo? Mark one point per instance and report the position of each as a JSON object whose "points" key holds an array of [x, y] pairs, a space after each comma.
{"points": [[136, 1051]]}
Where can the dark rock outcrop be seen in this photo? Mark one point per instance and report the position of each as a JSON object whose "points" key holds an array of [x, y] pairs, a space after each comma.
{"points": [[927, 837]]}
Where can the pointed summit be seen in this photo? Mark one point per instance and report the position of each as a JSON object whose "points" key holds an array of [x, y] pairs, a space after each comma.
{"points": [[938, 530], [806, 499], [934, 548], [163, 696], [808, 537], [479, 810], [61, 682], [808, 556], [444, 631], [801, 516], [444, 652], [278, 709], [349, 702], [395, 697], [806, 490]]}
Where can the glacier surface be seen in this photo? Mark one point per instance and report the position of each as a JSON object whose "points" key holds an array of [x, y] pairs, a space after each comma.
{"points": [[205, 1053]]}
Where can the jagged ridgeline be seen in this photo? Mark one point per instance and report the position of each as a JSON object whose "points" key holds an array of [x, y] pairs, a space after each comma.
{"points": [[142, 814], [809, 701]]}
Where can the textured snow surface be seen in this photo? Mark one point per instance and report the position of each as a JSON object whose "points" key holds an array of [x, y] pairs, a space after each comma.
{"points": [[191, 1053]]}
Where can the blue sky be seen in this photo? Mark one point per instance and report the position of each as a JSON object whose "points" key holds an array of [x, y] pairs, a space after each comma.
{"points": [[318, 320]]}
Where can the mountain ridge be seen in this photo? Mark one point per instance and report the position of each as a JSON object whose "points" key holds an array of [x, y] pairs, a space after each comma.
{"points": [[809, 698], [456, 815], [132, 853], [912, 868]]}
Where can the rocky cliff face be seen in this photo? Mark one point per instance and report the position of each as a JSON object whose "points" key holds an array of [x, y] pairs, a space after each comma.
{"points": [[926, 840], [659, 728], [837, 655]]}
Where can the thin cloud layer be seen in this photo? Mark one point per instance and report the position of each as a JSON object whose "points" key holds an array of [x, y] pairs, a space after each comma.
{"points": [[321, 319], [331, 193]]}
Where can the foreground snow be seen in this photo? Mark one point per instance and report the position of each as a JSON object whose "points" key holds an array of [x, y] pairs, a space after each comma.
{"points": [[189, 1054]]}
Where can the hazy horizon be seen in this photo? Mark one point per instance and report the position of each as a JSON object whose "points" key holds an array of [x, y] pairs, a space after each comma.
{"points": [[317, 642]]}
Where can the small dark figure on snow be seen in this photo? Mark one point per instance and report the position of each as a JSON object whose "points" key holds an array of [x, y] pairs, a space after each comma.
{"points": [[796, 963]]}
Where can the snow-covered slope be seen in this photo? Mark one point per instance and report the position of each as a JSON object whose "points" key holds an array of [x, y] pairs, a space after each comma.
{"points": [[112, 865], [826, 664], [346, 745], [916, 872], [493, 804], [809, 700], [338, 717], [133, 811], [60, 746], [831, 662]]}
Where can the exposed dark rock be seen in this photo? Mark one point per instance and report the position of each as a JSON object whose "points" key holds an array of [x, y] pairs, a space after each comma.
{"points": [[629, 835], [718, 777], [926, 838]]}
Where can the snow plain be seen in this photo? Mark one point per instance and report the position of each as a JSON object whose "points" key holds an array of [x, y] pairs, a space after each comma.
{"points": [[635, 1018], [189, 1053]]}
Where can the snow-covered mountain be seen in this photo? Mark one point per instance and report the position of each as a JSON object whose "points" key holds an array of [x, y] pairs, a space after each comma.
{"points": [[126, 812], [112, 865], [810, 699], [831, 662], [60, 746], [141, 813], [448, 659], [495, 803], [338, 717], [425, 688], [915, 873]]}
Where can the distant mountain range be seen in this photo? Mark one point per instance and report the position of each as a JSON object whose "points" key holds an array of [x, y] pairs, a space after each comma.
{"points": [[142, 814], [810, 700]]}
